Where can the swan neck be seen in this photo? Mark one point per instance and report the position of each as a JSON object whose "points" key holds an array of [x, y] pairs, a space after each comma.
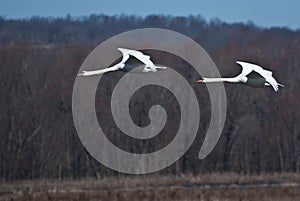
{"points": [[210, 80], [97, 72]]}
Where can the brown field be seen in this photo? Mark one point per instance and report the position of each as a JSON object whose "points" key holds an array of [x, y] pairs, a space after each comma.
{"points": [[215, 187]]}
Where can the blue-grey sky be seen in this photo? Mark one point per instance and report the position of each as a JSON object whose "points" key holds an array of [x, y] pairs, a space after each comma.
{"points": [[265, 13]]}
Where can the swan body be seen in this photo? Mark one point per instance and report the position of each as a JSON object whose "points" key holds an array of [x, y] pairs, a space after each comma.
{"points": [[142, 60], [265, 77]]}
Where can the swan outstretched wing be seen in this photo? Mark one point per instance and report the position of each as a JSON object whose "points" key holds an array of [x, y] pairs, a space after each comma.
{"points": [[139, 55], [248, 68]]}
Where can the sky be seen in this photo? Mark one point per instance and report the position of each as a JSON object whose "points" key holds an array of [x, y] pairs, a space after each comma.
{"points": [[264, 13]]}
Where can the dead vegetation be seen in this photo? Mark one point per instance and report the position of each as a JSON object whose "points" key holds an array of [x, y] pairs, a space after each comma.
{"points": [[153, 187]]}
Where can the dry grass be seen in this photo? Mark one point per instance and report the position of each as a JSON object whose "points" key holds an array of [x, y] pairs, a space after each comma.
{"points": [[151, 187]]}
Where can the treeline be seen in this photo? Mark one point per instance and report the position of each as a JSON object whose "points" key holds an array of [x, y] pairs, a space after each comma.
{"points": [[94, 29], [39, 60]]}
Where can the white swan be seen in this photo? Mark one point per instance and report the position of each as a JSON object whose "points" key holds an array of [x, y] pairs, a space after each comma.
{"points": [[142, 61], [265, 77]]}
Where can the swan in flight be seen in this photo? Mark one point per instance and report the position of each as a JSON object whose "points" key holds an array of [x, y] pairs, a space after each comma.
{"points": [[251, 75], [132, 60]]}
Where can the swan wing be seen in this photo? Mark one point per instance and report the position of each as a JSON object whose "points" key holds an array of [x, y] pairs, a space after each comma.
{"points": [[267, 75], [145, 59], [248, 67], [273, 83], [269, 78], [125, 53], [137, 54], [140, 56]]}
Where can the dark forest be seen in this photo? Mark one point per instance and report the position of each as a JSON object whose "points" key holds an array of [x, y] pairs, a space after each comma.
{"points": [[39, 61]]}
